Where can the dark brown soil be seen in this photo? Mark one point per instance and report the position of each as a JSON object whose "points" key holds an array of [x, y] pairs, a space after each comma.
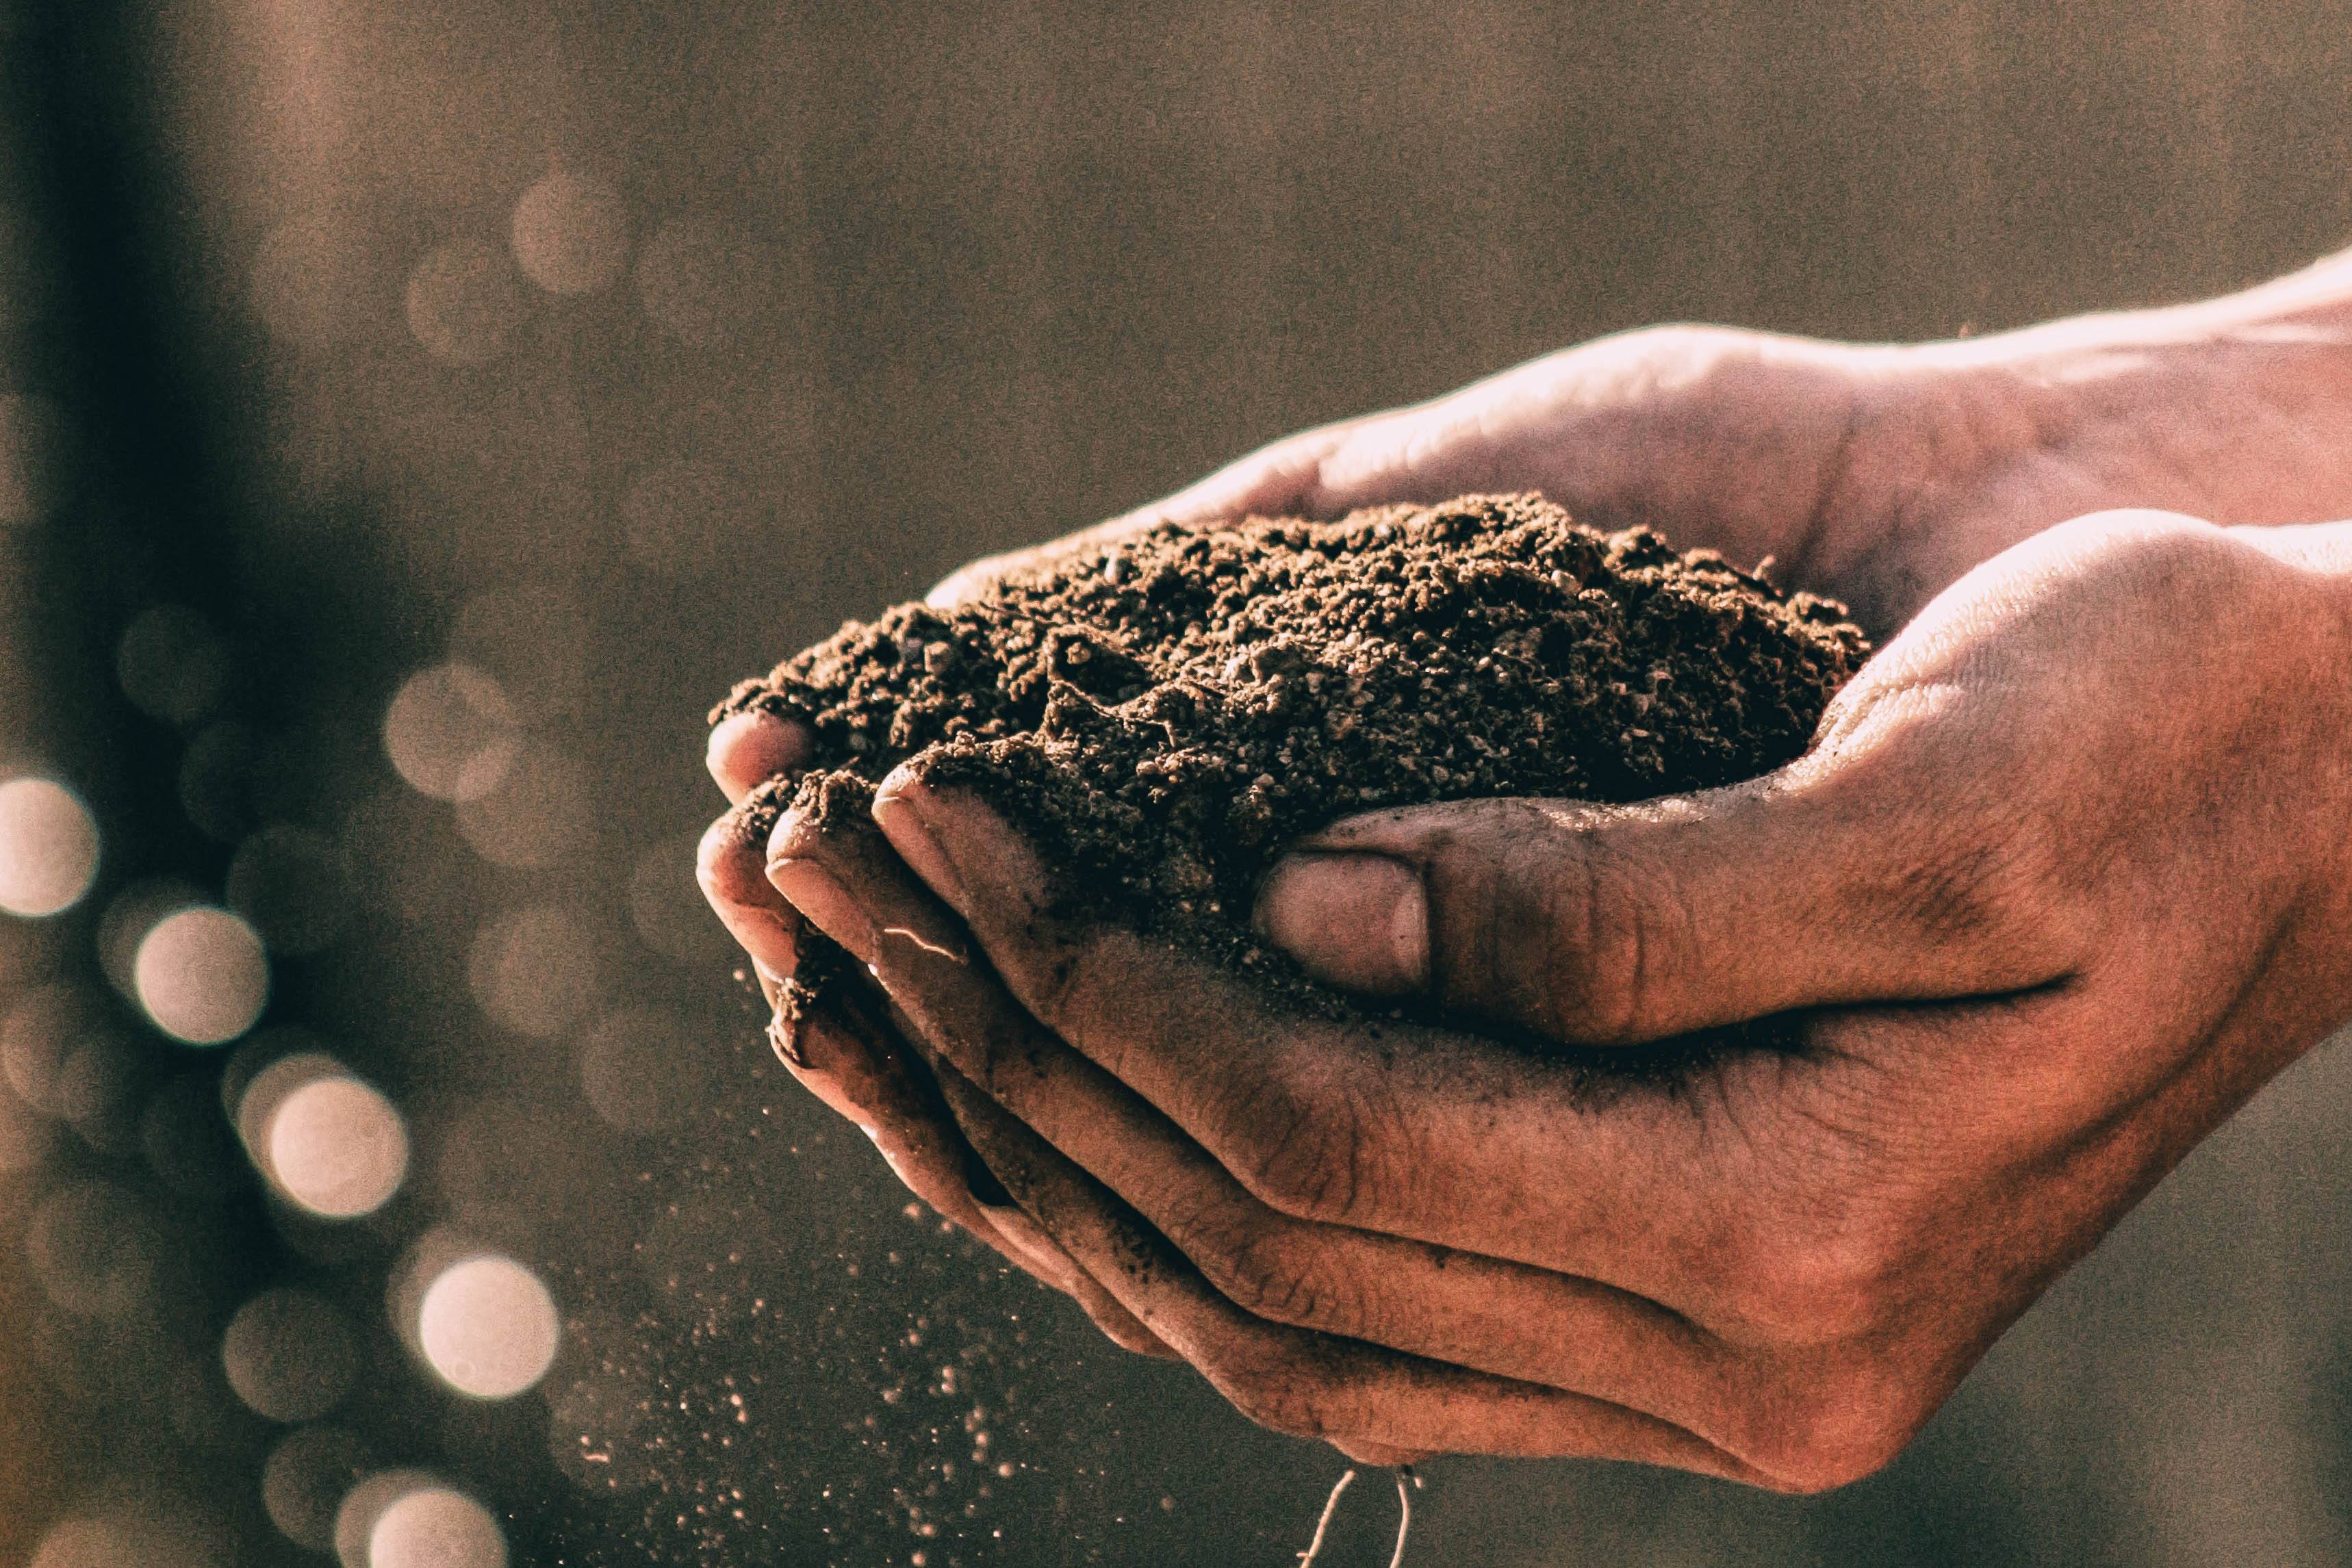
{"points": [[1166, 716]]}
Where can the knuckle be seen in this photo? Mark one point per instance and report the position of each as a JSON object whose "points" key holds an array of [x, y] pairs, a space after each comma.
{"points": [[1277, 1393], [1838, 1286], [1843, 1426], [1275, 1274], [1304, 1173], [1997, 891], [1602, 933]]}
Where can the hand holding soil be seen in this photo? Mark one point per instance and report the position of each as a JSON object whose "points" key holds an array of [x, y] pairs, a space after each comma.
{"points": [[2058, 886]]}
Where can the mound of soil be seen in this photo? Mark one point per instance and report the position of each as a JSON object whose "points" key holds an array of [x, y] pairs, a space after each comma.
{"points": [[1167, 716]]}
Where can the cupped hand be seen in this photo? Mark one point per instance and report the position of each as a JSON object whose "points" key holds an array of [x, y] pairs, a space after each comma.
{"points": [[2062, 885], [1874, 474]]}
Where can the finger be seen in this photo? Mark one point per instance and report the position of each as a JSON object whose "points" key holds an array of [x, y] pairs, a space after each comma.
{"points": [[746, 749], [1054, 1267], [837, 1054], [835, 1048], [1825, 884], [1278, 480], [1384, 1124], [1295, 1381], [1457, 1307], [731, 864], [840, 1057], [855, 850], [1440, 1303], [1460, 1307]]}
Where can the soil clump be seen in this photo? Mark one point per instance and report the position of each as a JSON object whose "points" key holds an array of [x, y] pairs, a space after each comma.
{"points": [[1166, 716]]}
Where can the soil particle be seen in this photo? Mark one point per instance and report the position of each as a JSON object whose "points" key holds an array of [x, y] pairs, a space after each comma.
{"points": [[1166, 716]]}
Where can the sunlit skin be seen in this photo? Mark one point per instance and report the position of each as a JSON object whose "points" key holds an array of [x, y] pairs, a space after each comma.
{"points": [[2060, 884]]}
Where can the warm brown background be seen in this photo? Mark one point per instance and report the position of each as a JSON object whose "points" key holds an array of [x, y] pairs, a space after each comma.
{"points": [[907, 282]]}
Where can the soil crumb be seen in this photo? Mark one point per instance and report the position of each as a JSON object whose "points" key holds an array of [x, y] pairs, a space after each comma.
{"points": [[1167, 716]]}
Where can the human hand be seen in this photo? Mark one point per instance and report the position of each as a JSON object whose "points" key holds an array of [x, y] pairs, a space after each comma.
{"points": [[1874, 474], [2061, 886]]}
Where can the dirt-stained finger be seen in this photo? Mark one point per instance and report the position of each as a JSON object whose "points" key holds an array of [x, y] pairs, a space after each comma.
{"points": [[1293, 1380], [747, 749]]}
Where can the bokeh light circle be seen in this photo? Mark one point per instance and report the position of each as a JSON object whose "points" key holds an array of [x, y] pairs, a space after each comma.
{"points": [[289, 1355], [92, 1245], [337, 1147], [488, 1326], [535, 637], [535, 970], [201, 976], [130, 914], [464, 302], [541, 812], [98, 1083], [436, 1527], [125, 1522], [305, 1481], [666, 906], [86, 1543], [171, 664], [49, 847], [643, 1070], [39, 1032], [217, 777], [451, 733], [355, 1520], [571, 234], [25, 1137]]}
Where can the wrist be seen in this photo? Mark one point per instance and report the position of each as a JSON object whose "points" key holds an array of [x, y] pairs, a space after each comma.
{"points": [[2233, 409]]}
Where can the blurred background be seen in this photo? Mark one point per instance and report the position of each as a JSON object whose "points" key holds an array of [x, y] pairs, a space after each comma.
{"points": [[414, 415]]}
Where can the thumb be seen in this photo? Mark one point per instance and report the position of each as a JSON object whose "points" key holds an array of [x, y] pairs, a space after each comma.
{"points": [[1611, 924]]}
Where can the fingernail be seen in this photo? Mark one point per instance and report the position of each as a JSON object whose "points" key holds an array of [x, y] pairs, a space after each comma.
{"points": [[819, 895], [1355, 921], [747, 747], [898, 807]]}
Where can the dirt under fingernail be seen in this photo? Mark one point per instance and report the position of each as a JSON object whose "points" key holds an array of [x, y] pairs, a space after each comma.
{"points": [[1166, 717]]}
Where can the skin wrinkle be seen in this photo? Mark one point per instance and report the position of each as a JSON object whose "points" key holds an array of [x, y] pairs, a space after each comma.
{"points": [[1315, 1242], [1146, 1260]]}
